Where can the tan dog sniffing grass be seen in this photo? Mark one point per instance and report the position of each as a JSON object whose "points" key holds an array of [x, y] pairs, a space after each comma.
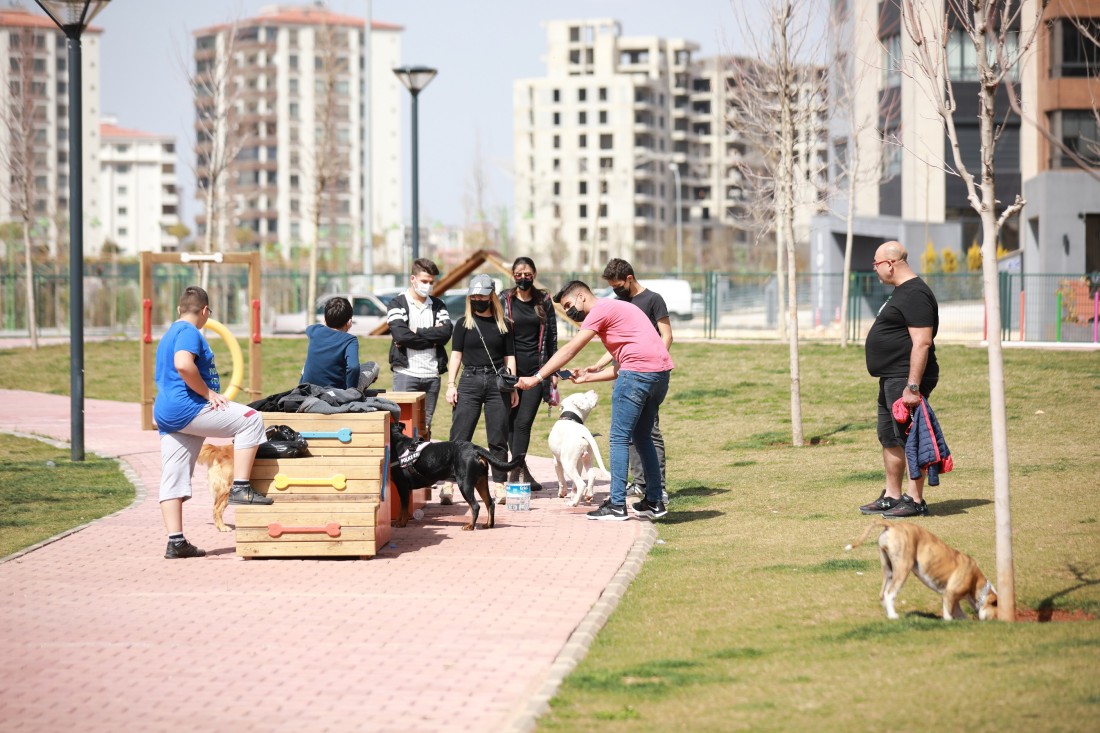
{"points": [[218, 460], [905, 548]]}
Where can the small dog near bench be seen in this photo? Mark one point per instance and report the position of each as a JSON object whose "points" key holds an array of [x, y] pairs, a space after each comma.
{"points": [[909, 548]]}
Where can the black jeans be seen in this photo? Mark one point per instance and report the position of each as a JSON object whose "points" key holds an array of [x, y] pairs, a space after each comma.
{"points": [[478, 389], [521, 419]]}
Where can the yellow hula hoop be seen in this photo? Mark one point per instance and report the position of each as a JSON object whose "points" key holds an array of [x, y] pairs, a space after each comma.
{"points": [[234, 352]]}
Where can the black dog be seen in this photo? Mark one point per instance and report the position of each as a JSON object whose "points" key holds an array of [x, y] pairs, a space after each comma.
{"points": [[460, 461]]}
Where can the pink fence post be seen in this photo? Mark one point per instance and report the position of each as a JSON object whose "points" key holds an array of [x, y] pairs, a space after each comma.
{"points": [[1021, 315], [1096, 316]]}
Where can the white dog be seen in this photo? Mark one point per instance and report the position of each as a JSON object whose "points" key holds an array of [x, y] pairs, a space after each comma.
{"points": [[573, 447]]}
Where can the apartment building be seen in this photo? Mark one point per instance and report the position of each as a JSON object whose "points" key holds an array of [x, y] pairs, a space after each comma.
{"points": [[34, 99], [904, 190], [295, 116], [603, 138], [139, 197]]}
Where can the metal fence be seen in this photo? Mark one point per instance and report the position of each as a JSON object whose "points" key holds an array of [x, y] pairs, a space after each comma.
{"points": [[725, 305]]}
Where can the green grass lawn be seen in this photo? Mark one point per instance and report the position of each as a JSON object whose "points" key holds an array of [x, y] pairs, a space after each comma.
{"points": [[748, 615]]}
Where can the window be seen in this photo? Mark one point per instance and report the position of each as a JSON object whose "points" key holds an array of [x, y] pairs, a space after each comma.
{"points": [[123, 231], [557, 118], [603, 210], [603, 94], [1078, 131], [582, 95], [582, 141], [583, 211], [557, 95], [292, 61], [122, 211], [582, 234], [557, 141], [1072, 53], [557, 188], [122, 169], [582, 118], [606, 142], [891, 60], [582, 188], [603, 116], [122, 190], [891, 153]]}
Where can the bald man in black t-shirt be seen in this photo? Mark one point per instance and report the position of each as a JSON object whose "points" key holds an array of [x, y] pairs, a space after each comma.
{"points": [[901, 353]]}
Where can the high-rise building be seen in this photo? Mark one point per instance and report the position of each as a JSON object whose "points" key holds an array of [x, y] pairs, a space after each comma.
{"points": [[290, 127], [905, 190], [138, 191], [601, 140], [34, 103]]}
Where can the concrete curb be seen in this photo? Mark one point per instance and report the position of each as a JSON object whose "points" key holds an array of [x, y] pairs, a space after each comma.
{"points": [[524, 718], [127, 471]]}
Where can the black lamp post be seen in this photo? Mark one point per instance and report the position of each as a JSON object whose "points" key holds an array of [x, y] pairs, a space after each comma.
{"points": [[415, 78], [72, 17]]}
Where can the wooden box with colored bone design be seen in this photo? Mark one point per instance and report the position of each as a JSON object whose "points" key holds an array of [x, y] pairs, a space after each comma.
{"points": [[336, 502]]}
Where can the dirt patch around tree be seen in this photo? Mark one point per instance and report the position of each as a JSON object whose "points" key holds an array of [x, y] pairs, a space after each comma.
{"points": [[1048, 615]]}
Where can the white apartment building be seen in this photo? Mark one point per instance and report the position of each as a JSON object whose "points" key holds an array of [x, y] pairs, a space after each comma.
{"points": [[298, 79], [139, 198], [34, 79], [597, 141]]}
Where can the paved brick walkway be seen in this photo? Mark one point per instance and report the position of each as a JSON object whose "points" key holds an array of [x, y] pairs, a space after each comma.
{"points": [[444, 631]]}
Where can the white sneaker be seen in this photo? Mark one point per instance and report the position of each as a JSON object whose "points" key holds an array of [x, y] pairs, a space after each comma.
{"points": [[445, 494], [664, 496], [499, 492], [632, 489]]}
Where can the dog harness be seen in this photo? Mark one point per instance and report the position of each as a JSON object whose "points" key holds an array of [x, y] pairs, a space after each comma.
{"points": [[574, 417], [410, 455]]}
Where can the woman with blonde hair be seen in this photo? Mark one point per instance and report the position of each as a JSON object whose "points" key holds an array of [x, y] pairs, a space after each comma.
{"points": [[482, 346]]}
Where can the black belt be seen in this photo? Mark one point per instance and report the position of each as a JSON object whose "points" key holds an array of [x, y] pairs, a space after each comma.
{"points": [[567, 415], [478, 370]]}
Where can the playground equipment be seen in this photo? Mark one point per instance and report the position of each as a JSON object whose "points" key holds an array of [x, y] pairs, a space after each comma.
{"points": [[148, 347]]}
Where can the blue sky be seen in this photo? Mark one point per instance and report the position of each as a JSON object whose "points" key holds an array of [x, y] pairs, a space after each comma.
{"points": [[479, 47]]}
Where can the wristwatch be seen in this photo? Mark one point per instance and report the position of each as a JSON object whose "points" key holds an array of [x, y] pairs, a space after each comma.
{"points": [[914, 387]]}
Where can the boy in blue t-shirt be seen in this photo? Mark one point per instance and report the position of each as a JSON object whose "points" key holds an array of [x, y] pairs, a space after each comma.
{"points": [[332, 357], [188, 409]]}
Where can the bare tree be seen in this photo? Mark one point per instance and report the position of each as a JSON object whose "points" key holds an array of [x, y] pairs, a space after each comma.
{"points": [[1000, 38], [473, 201], [25, 108], [778, 98], [219, 134], [853, 171], [328, 161]]}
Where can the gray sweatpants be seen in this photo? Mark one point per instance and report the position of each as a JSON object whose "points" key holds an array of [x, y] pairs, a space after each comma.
{"points": [[179, 451]]}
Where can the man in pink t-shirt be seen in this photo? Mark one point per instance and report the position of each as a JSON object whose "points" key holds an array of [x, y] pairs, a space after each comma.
{"points": [[641, 369]]}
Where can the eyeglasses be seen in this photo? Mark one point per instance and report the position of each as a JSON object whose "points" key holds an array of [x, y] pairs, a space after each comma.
{"points": [[874, 265]]}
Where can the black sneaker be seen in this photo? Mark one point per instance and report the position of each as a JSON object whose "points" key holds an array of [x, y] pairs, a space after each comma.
{"points": [[182, 550], [906, 507], [882, 504], [652, 511], [609, 512], [248, 495]]}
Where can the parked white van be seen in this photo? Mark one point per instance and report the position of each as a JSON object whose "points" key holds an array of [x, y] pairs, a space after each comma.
{"points": [[677, 295]]}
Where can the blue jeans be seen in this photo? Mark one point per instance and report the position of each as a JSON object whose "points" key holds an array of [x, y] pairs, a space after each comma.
{"points": [[634, 404]]}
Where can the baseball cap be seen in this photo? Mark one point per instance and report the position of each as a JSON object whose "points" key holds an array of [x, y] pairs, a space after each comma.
{"points": [[481, 285]]}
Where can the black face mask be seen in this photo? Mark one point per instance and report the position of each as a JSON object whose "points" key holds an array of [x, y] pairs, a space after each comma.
{"points": [[524, 284], [575, 314], [622, 292], [479, 306]]}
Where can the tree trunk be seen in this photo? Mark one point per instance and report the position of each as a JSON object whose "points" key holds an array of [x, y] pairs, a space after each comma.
{"points": [[208, 239], [1002, 510], [32, 318], [845, 288], [788, 136]]}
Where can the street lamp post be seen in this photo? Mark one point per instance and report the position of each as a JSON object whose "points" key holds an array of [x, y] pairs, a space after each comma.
{"points": [[72, 17], [679, 224], [415, 78]]}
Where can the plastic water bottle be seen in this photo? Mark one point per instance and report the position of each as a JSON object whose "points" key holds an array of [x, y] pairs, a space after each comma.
{"points": [[418, 514]]}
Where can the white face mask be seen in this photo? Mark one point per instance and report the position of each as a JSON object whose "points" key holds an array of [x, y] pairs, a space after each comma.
{"points": [[422, 289]]}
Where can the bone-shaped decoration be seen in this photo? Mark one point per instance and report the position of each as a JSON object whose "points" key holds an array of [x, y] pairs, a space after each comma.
{"points": [[343, 435], [332, 529], [337, 481]]}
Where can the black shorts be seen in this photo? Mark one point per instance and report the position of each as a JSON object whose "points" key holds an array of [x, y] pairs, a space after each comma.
{"points": [[891, 433]]}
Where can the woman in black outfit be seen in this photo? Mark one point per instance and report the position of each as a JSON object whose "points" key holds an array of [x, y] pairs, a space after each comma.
{"points": [[536, 333], [482, 343]]}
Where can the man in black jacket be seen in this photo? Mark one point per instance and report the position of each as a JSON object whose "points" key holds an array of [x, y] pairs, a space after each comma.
{"points": [[420, 327]]}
